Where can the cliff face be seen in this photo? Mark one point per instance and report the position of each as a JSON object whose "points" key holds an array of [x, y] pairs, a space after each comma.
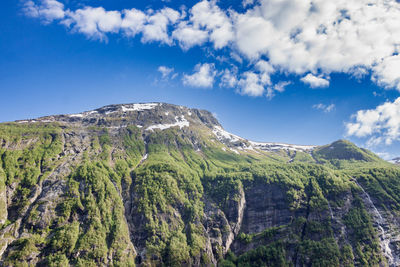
{"points": [[158, 184]]}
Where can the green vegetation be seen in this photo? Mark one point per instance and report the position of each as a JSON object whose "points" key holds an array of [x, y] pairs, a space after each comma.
{"points": [[271, 255], [363, 234], [115, 201]]}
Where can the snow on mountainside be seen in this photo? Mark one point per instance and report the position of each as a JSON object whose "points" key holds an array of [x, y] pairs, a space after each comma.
{"points": [[161, 116], [180, 122], [227, 137], [395, 161], [283, 146], [223, 135]]}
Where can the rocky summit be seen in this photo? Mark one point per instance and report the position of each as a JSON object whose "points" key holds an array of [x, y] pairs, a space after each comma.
{"points": [[157, 184]]}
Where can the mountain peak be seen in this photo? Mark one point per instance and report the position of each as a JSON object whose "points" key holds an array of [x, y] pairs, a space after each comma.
{"points": [[344, 150], [149, 115]]}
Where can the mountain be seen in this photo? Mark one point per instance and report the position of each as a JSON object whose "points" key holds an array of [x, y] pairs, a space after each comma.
{"points": [[157, 184], [395, 161]]}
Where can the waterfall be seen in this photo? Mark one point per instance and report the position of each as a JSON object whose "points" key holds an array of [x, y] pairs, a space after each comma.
{"points": [[330, 210], [384, 237]]}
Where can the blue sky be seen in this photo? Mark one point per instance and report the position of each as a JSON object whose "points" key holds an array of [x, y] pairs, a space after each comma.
{"points": [[267, 75]]}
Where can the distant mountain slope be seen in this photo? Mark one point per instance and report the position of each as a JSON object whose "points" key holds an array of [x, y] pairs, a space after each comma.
{"points": [[345, 150], [157, 184], [395, 161]]}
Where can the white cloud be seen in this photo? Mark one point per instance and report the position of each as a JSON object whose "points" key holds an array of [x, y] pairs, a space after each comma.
{"points": [[203, 76], [381, 124], [208, 15], [252, 84], [303, 36], [385, 155], [253, 35], [264, 67], [166, 72], [189, 36], [278, 87], [281, 86], [294, 36], [156, 28], [97, 22], [246, 3], [133, 22], [48, 10], [315, 81], [258, 82], [229, 79], [324, 108], [386, 73], [94, 22]]}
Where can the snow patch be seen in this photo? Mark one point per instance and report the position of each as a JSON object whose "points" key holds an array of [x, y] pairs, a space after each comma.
{"points": [[234, 150], [139, 126], [180, 122], [138, 107], [76, 115], [223, 135], [250, 147], [280, 146]]}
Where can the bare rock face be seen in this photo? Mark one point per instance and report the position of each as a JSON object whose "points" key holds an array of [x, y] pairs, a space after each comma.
{"points": [[218, 230], [3, 199], [266, 207], [44, 209], [235, 213]]}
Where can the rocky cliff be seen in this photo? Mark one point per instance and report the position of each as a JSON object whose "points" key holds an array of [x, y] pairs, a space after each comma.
{"points": [[157, 184]]}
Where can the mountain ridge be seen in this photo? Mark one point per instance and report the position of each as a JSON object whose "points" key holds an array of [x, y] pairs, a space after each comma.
{"points": [[124, 108], [204, 116]]}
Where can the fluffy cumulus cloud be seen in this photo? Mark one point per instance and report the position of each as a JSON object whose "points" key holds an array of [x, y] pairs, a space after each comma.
{"points": [[48, 10], [386, 73], [324, 108], [258, 82], [93, 22], [380, 125], [251, 84], [296, 37], [203, 76], [156, 28], [189, 36], [315, 81]]}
